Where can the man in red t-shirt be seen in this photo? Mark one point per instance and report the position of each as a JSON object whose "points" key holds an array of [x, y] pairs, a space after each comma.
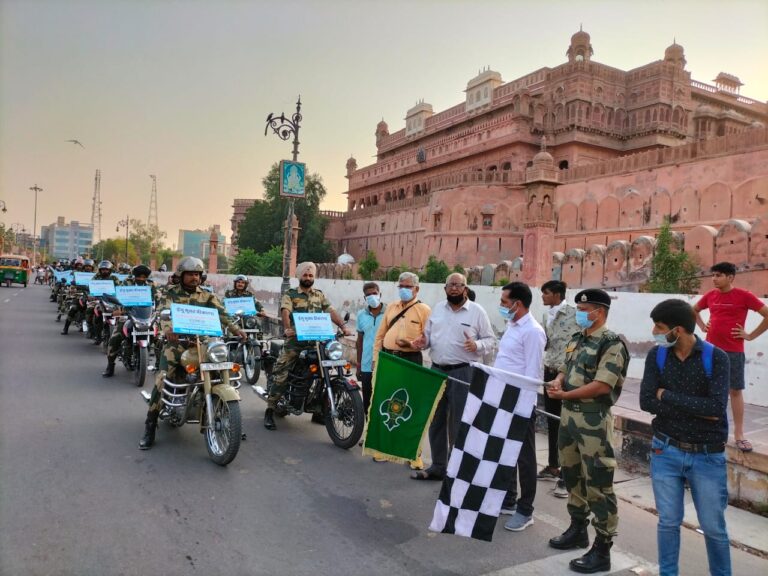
{"points": [[728, 308]]}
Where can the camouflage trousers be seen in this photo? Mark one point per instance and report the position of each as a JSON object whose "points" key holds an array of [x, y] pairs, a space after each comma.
{"points": [[280, 371], [587, 461], [115, 341], [170, 360], [74, 310]]}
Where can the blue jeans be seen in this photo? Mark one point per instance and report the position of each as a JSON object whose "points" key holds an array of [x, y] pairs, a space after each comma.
{"points": [[707, 476]]}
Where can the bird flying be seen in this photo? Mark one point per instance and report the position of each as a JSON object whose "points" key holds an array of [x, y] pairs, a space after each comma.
{"points": [[77, 142]]}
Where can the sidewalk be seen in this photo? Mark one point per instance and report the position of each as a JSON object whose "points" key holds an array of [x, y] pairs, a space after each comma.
{"points": [[746, 530]]}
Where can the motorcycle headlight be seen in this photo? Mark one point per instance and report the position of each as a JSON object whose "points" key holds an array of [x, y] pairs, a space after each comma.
{"points": [[334, 350], [189, 358], [217, 351], [250, 322]]}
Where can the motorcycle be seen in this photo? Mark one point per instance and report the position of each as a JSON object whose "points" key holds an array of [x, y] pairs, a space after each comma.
{"points": [[105, 307], [319, 384], [247, 353], [138, 329], [205, 393]]}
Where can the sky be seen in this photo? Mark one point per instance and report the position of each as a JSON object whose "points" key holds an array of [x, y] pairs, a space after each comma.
{"points": [[182, 89]]}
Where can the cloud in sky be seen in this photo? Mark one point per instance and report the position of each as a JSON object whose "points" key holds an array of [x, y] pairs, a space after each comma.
{"points": [[182, 89]]}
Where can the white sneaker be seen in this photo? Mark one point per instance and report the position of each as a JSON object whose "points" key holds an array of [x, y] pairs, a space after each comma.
{"points": [[508, 510], [560, 491]]}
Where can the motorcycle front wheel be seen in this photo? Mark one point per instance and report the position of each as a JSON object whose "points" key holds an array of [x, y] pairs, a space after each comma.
{"points": [[222, 436], [347, 427], [140, 366], [251, 362], [105, 336]]}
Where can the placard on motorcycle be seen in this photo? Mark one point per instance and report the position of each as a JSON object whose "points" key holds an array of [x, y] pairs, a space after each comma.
{"points": [[134, 295], [310, 326], [83, 278], [65, 275], [197, 320], [244, 305], [101, 287]]}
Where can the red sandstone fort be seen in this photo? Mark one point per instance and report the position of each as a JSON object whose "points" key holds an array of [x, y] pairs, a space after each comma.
{"points": [[568, 172]]}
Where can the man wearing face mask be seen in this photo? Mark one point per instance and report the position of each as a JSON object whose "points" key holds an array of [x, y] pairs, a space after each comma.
{"points": [[458, 332], [589, 383], [404, 321], [368, 321], [303, 299], [685, 385]]}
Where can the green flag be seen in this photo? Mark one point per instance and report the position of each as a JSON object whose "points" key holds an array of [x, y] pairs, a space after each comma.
{"points": [[405, 396]]}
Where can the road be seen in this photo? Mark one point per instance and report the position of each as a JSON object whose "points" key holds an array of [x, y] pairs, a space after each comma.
{"points": [[77, 497]]}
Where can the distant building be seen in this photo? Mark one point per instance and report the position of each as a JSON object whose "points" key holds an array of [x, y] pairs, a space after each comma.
{"points": [[239, 208], [64, 240], [197, 242]]}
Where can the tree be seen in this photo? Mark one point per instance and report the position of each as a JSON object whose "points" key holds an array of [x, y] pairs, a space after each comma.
{"points": [[141, 236], [435, 271], [262, 228], [459, 269], [113, 249], [269, 263], [368, 266], [672, 271]]}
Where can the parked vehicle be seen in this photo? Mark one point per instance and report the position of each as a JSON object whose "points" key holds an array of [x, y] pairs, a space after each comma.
{"points": [[205, 393], [14, 269], [247, 352]]}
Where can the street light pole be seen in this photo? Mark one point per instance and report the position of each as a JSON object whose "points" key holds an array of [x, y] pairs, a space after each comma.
{"points": [[284, 128], [125, 223], [36, 189]]}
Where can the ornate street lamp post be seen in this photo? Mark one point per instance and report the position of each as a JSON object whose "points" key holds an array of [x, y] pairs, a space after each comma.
{"points": [[284, 128], [126, 223]]}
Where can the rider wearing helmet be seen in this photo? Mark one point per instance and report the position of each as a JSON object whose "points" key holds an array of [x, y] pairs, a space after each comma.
{"points": [[96, 322], [124, 268], [240, 290], [140, 277], [78, 265], [188, 291], [87, 265]]}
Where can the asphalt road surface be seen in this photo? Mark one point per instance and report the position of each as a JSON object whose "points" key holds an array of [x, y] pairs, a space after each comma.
{"points": [[77, 496]]}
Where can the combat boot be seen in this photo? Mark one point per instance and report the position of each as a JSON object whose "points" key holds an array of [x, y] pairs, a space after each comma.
{"points": [[150, 425], [598, 559], [576, 536], [110, 371], [269, 419], [66, 327]]}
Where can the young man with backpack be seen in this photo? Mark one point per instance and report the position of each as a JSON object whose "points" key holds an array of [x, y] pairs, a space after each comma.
{"points": [[685, 384]]}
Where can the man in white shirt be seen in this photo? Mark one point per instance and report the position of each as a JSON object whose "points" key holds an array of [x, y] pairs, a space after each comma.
{"points": [[521, 350], [458, 332]]}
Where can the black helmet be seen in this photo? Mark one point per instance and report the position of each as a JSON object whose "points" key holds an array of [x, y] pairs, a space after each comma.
{"points": [[190, 264], [104, 265], [141, 270]]}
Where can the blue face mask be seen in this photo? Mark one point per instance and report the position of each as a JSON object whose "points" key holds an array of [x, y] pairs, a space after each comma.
{"points": [[506, 313], [582, 319], [373, 300], [406, 294], [661, 340]]}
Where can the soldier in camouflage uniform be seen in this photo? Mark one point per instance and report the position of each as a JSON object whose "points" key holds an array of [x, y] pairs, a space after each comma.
{"points": [[301, 299], [187, 292], [140, 278], [96, 322], [589, 383], [240, 290]]}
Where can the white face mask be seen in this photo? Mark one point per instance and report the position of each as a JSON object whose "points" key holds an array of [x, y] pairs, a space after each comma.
{"points": [[661, 340], [373, 300]]}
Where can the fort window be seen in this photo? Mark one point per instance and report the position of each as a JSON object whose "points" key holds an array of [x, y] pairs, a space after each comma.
{"points": [[437, 221], [487, 221], [383, 225], [529, 164], [563, 165], [506, 166]]}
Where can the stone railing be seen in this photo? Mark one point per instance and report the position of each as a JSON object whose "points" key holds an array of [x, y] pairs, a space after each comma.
{"points": [[416, 202]]}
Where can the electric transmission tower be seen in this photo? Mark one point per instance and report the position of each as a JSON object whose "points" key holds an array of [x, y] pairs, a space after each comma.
{"points": [[96, 208], [152, 220]]}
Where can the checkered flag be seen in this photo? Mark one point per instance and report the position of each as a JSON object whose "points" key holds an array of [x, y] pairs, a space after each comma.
{"points": [[493, 426]]}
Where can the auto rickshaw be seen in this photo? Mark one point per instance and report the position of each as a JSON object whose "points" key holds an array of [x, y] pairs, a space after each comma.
{"points": [[14, 269]]}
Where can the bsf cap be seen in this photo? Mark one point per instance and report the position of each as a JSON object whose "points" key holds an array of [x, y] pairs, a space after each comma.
{"points": [[594, 296]]}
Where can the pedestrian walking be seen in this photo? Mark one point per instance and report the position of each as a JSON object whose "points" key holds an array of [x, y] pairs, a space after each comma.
{"points": [[685, 386], [368, 321]]}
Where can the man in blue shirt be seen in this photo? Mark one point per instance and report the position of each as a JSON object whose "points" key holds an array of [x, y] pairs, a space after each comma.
{"points": [[368, 321], [685, 384]]}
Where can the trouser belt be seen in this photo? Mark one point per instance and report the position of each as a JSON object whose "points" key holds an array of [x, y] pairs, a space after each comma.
{"points": [[688, 447], [449, 367], [401, 354], [587, 407]]}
